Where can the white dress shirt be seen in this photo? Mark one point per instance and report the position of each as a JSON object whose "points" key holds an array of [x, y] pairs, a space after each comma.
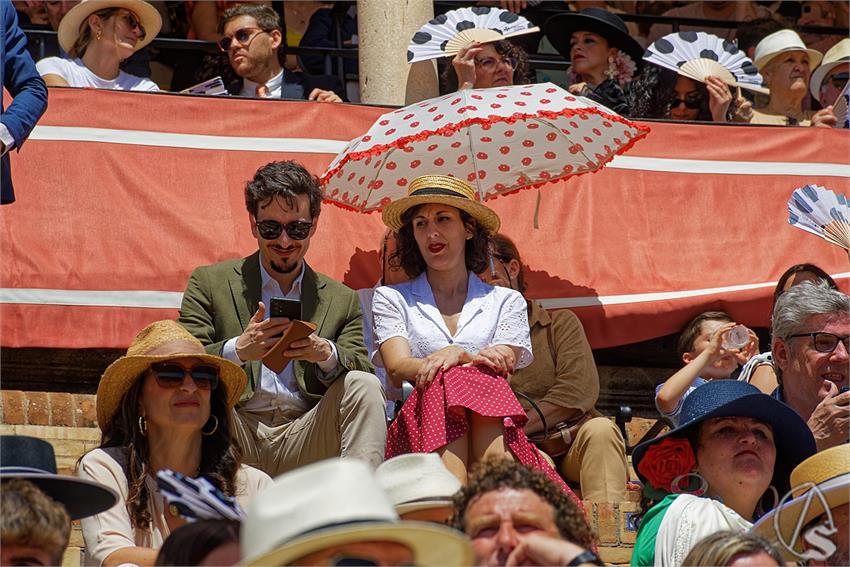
{"points": [[275, 86], [278, 391]]}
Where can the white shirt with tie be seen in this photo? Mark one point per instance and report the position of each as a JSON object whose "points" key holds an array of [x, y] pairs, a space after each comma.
{"points": [[275, 86]]}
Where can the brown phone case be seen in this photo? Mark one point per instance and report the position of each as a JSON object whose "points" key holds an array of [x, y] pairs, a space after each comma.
{"points": [[274, 359]]}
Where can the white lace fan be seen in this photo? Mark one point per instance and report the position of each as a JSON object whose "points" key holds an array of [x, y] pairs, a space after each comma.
{"points": [[818, 210], [447, 33], [697, 55]]}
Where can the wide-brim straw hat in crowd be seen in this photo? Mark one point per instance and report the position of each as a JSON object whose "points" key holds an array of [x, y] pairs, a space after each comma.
{"points": [[160, 341], [337, 502], [783, 41], [820, 482], [71, 25], [442, 189], [560, 27], [729, 398], [837, 54], [417, 481]]}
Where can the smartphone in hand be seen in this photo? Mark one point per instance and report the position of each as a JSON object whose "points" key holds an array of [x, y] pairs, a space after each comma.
{"points": [[283, 307]]}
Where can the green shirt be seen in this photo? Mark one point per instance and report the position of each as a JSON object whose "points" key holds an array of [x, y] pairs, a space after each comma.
{"points": [[644, 551]]}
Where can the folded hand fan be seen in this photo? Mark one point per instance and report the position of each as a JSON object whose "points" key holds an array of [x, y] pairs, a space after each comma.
{"points": [[840, 108], [196, 498], [818, 210], [697, 55], [446, 34]]}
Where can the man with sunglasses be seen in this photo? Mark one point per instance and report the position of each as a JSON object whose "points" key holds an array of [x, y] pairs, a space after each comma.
{"points": [[326, 402], [252, 37], [810, 329], [831, 77]]}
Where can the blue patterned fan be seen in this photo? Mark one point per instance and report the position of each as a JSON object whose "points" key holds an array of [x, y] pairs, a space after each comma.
{"points": [[446, 34], [196, 498], [818, 210]]}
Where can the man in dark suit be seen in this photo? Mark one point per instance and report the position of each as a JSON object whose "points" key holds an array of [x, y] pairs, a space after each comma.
{"points": [[252, 37], [326, 402], [28, 91]]}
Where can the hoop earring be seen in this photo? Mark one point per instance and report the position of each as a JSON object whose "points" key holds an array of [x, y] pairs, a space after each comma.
{"points": [[611, 71], [143, 426], [700, 491], [761, 509], [214, 429]]}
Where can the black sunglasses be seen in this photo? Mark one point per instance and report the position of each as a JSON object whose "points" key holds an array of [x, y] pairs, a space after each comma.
{"points": [[296, 230], [242, 35], [170, 375], [132, 22], [825, 342], [692, 103], [838, 80]]}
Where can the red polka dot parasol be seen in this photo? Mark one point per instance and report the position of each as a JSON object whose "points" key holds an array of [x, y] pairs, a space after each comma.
{"points": [[500, 140]]}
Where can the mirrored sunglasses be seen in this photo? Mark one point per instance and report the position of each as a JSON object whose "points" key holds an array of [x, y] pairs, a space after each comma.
{"points": [[242, 35], [825, 342], [170, 375], [296, 230]]}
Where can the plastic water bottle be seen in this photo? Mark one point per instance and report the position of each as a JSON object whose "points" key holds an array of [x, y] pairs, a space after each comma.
{"points": [[737, 338]]}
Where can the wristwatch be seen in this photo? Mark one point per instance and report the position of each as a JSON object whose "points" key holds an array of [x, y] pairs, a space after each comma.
{"points": [[585, 556]]}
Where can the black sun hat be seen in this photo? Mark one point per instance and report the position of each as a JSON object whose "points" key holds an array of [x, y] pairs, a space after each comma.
{"points": [[33, 459], [560, 27]]}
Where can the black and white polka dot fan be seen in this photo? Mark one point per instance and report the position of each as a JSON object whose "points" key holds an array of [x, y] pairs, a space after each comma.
{"points": [[697, 55], [447, 33]]}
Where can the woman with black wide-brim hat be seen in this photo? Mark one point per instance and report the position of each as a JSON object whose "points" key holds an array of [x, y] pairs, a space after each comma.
{"points": [[604, 57]]}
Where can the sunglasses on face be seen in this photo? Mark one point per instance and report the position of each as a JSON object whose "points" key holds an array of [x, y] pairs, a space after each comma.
{"points": [[296, 230], [692, 103], [170, 375], [489, 63], [242, 35], [838, 80], [826, 342], [133, 22]]}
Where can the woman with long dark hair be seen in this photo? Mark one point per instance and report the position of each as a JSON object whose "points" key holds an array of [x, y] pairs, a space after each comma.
{"points": [[165, 405]]}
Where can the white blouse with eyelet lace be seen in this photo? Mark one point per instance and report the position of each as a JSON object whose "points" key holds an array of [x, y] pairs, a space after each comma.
{"points": [[490, 316]]}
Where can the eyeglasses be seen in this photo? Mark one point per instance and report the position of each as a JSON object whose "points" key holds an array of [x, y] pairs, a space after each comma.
{"points": [[692, 103], [243, 35], [133, 22], [489, 64], [825, 342], [838, 80], [170, 375], [297, 230]]}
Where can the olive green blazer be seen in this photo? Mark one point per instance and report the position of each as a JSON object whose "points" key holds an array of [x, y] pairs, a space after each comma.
{"points": [[221, 299]]}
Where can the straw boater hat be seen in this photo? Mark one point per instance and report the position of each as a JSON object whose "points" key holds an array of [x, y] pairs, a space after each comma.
{"points": [[441, 189], [159, 341], [782, 42], [72, 23], [838, 54], [32, 459], [336, 502], [417, 481], [560, 27], [829, 473]]}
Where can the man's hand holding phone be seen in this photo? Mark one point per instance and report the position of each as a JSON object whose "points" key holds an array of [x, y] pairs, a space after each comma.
{"points": [[260, 335]]}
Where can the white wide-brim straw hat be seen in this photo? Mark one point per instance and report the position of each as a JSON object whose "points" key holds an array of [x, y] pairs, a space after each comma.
{"points": [[336, 502], [837, 54], [69, 27], [783, 41], [160, 341], [821, 481], [417, 481], [445, 190]]}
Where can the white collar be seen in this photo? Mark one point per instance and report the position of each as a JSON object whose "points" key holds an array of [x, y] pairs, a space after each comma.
{"points": [[249, 87], [270, 284]]}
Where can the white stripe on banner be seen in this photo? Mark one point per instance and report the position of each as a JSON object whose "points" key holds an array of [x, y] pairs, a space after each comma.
{"points": [[172, 299], [323, 146]]}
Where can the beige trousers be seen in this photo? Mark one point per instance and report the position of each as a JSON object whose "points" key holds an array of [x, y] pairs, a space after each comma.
{"points": [[350, 421], [597, 461]]}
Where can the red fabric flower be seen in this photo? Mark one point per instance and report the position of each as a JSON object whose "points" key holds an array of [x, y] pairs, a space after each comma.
{"points": [[667, 460]]}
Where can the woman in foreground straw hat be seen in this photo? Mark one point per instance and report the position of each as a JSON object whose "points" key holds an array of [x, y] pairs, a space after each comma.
{"points": [[165, 405], [98, 35], [455, 337]]}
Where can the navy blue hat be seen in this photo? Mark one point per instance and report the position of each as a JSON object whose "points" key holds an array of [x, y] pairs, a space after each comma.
{"points": [[560, 27], [32, 459], [724, 398]]}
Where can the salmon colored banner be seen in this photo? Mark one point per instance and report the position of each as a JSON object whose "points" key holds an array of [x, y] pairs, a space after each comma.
{"points": [[121, 195]]}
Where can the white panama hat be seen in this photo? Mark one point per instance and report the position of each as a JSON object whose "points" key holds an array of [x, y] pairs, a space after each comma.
{"points": [[782, 42], [69, 27], [417, 481], [837, 54]]}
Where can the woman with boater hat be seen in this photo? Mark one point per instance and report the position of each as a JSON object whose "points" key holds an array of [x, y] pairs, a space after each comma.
{"points": [[453, 336], [722, 467], [604, 57], [165, 405], [98, 35]]}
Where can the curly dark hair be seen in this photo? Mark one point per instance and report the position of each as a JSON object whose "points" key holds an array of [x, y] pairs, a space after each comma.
{"points": [[220, 457], [496, 473], [651, 94], [409, 258], [522, 73], [286, 179]]}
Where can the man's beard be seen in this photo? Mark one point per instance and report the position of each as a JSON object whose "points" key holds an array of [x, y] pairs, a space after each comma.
{"points": [[284, 269]]}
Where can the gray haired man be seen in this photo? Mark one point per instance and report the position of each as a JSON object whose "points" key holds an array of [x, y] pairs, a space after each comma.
{"points": [[811, 325]]}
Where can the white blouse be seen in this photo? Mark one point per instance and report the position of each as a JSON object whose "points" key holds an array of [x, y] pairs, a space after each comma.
{"points": [[490, 316]]}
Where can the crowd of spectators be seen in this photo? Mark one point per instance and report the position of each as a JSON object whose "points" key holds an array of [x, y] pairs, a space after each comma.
{"points": [[491, 441]]}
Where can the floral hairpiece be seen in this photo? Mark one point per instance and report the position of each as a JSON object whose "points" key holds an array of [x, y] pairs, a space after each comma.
{"points": [[620, 68], [665, 464]]}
